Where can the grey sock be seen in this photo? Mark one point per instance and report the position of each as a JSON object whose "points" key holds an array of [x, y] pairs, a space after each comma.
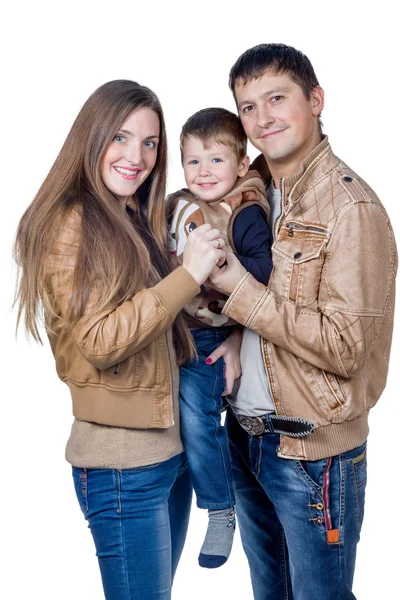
{"points": [[217, 545]]}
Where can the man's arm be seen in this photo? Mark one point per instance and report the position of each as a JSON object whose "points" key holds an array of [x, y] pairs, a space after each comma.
{"points": [[356, 282]]}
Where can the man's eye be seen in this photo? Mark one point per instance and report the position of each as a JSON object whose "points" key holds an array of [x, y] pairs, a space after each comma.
{"points": [[248, 109], [276, 98]]}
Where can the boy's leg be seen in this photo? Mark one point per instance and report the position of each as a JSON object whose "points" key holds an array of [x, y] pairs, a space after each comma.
{"points": [[205, 442]]}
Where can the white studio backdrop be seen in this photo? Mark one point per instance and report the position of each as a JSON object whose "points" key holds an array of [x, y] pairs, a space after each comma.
{"points": [[54, 56]]}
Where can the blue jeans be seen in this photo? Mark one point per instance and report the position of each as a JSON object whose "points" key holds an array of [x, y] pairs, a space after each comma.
{"points": [[204, 438], [299, 521], [138, 519]]}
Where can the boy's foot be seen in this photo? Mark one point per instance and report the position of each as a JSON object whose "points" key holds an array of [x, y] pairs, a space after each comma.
{"points": [[219, 538]]}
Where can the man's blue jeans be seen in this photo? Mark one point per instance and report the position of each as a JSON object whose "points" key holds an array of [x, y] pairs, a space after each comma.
{"points": [[138, 519], [204, 438], [299, 521]]}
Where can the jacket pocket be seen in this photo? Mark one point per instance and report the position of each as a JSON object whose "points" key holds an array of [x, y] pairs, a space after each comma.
{"points": [[299, 254], [139, 371], [334, 390]]}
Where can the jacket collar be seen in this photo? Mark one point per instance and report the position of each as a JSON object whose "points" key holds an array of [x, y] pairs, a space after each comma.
{"points": [[316, 164]]}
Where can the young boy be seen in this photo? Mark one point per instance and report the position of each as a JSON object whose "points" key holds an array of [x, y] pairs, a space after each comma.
{"points": [[225, 194]]}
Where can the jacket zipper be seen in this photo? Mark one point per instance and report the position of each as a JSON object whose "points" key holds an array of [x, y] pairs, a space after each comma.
{"points": [[278, 220], [292, 226], [172, 380], [264, 342]]}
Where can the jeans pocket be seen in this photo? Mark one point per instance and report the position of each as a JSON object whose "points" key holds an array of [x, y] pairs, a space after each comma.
{"points": [[359, 466], [81, 489]]}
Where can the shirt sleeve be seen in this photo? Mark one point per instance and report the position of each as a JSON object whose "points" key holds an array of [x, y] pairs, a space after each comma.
{"points": [[253, 240]]}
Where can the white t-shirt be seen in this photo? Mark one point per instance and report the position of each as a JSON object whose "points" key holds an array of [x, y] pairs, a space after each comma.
{"points": [[253, 396]]}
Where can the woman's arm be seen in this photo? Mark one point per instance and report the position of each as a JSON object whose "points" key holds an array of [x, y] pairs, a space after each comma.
{"points": [[112, 335], [230, 352]]}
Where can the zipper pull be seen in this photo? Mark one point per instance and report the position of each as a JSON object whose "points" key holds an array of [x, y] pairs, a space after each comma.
{"points": [[291, 228]]}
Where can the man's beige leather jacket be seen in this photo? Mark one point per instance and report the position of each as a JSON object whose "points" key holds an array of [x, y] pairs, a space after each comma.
{"points": [[118, 364], [327, 314]]}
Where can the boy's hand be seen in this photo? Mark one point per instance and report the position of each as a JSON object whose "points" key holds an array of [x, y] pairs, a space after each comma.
{"points": [[226, 278]]}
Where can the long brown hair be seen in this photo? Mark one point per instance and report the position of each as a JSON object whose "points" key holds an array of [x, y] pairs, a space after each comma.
{"points": [[117, 251]]}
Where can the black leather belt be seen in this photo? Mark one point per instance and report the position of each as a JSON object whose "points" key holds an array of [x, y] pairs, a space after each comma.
{"points": [[273, 423]]}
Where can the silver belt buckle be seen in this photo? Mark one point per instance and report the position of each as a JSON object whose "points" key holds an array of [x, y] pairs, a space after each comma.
{"points": [[253, 425]]}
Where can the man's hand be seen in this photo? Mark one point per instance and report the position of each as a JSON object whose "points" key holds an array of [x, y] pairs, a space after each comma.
{"points": [[226, 278]]}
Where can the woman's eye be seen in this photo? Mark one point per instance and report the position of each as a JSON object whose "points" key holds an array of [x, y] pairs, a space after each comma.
{"points": [[150, 144], [119, 138]]}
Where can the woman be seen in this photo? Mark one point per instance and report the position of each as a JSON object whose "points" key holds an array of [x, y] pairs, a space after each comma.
{"points": [[92, 248]]}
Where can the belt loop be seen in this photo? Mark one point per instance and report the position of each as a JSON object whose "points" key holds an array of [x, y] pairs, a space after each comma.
{"points": [[268, 421]]}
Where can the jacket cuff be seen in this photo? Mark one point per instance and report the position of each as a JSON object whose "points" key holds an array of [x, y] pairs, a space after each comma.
{"points": [[242, 305], [176, 290]]}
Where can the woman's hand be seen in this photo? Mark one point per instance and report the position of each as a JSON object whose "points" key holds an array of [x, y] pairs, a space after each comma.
{"points": [[204, 250], [230, 352]]}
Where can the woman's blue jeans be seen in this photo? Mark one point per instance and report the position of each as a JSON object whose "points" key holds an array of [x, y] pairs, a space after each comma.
{"points": [[138, 519]]}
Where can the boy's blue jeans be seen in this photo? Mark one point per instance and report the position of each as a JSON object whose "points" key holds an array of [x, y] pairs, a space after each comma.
{"points": [[286, 509], [138, 519], [204, 438]]}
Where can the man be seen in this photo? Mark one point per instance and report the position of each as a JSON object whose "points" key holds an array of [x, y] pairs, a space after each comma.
{"points": [[315, 356]]}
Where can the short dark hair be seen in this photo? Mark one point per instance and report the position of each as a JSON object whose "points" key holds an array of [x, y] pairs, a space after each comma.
{"points": [[280, 59], [216, 125]]}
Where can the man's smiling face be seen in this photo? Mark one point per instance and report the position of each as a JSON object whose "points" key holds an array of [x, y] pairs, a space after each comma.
{"points": [[278, 118]]}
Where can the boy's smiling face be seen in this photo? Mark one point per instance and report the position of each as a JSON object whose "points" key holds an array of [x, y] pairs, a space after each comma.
{"points": [[211, 171]]}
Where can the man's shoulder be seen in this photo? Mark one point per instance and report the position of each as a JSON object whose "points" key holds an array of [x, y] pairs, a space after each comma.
{"points": [[355, 188]]}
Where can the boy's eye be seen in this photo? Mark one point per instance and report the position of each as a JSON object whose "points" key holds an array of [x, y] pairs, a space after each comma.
{"points": [[216, 160], [193, 162]]}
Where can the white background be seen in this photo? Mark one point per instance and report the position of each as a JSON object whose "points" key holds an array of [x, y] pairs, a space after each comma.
{"points": [[53, 56]]}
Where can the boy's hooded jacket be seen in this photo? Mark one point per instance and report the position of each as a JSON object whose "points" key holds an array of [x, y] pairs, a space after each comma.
{"points": [[187, 213]]}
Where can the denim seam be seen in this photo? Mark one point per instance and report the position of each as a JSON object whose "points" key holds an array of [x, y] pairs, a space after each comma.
{"points": [[259, 457], [306, 478], [342, 500], [357, 486], [86, 493], [119, 511], [218, 373], [284, 565]]}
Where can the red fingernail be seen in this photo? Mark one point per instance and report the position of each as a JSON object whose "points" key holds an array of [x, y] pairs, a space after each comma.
{"points": [[208, 361]]}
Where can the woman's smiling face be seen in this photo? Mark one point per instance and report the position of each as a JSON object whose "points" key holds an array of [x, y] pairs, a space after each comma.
{"points": [[132, 154]]}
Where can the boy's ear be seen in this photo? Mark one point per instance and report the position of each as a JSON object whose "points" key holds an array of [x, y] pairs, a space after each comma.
{"points": [[243, 166]]}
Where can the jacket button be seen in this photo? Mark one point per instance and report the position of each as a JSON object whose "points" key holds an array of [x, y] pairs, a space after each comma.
{"points": [[297, 255], [347, 178]]}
